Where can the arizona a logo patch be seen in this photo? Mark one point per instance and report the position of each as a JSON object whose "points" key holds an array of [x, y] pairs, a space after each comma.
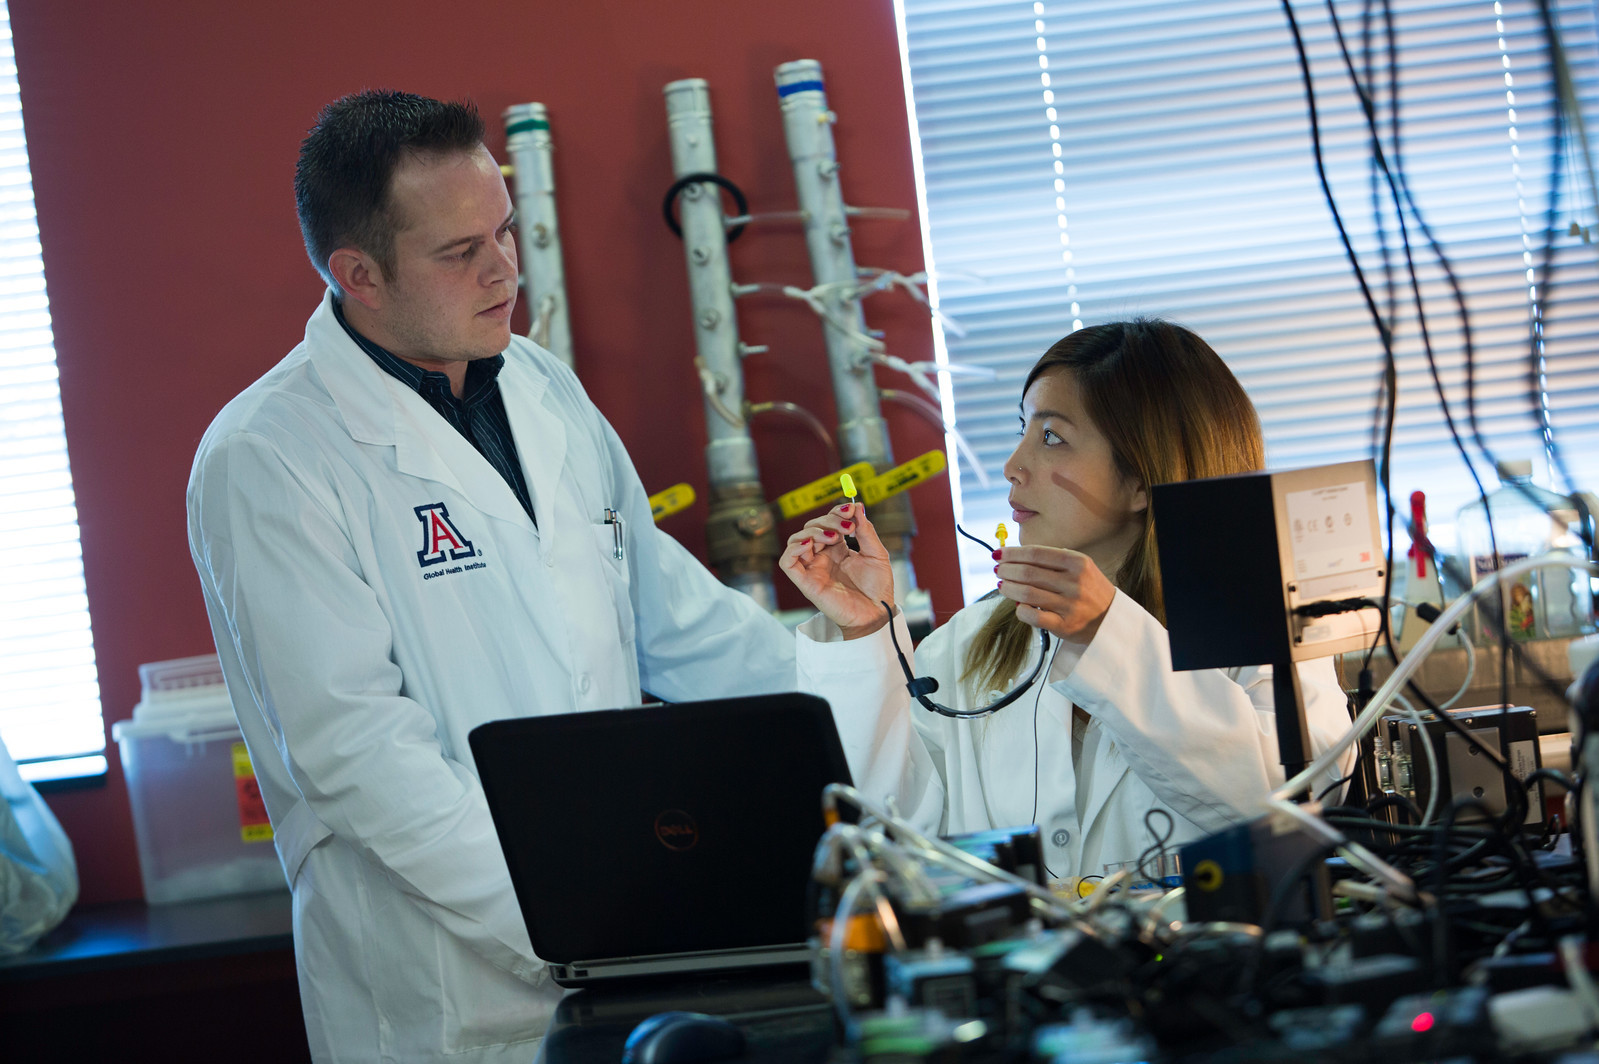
{"points": [[441, 540]]}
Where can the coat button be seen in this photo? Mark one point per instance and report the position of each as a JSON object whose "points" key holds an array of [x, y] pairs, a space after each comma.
{"points": [[583, 683], [1061, 838], [549, 558]]}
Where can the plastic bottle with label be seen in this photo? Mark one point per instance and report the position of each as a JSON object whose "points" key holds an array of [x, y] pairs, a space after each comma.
{"points": [[1528, 521]]}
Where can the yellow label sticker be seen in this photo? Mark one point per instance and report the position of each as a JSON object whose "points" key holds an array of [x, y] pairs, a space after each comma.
{"points": [[242, 769], [819, 493], [253, 823], [673, 500], [903, 476]]}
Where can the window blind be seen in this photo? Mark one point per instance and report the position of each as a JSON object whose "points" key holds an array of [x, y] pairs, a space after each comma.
{"points": [[49, 691], [1085, 163]]}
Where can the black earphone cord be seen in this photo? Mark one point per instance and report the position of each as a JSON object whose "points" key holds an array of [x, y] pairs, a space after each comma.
{"points": [[922, 686]]}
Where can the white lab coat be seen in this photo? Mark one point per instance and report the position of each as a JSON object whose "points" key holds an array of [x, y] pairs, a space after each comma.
{"points": [[1200, 745], [356, 670]]}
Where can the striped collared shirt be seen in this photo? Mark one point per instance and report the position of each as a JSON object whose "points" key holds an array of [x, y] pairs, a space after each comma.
{"points": [[479, 415]]}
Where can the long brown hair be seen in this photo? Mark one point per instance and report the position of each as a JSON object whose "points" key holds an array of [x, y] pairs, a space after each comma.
{"points": [[1171, 410]]}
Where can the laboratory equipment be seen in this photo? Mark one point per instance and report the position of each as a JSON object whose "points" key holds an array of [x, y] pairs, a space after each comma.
{"points": [[1271, 568]]}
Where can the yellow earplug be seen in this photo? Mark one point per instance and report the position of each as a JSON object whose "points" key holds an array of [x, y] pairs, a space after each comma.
{"points": [[847, 482], [1001, 534]]}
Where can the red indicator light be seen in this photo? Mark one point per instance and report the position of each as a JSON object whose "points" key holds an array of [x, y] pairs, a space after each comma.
{"points": [[1422, 1022]]}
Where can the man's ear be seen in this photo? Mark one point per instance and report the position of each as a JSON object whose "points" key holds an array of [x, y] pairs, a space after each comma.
{"points": [[358, 274]]}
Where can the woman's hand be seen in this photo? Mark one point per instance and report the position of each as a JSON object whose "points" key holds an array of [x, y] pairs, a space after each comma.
{"points": [[848, 586], [1061, 591]]}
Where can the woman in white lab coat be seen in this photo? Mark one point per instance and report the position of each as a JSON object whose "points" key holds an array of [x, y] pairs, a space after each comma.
{"points": [[1108, 731]]}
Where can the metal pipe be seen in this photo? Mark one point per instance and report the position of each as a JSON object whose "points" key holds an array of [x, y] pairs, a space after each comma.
{"points": [[741, 530], [862, 432], [527, 144]]}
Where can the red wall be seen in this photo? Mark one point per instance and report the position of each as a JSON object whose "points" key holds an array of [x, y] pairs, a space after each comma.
{"points": [[163, 137]]}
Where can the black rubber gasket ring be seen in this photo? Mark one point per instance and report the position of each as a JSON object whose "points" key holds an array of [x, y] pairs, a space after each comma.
{"points": [[696, 179]]}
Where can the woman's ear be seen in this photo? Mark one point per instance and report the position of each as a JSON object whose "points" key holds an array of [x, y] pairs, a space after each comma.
{"points": [[1138, 502]]}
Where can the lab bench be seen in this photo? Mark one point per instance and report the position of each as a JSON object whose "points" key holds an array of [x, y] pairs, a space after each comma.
{"points": [[200, 980]]}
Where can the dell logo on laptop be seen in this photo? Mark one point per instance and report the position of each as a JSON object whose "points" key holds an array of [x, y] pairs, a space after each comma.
{"points": [[676, 830]]}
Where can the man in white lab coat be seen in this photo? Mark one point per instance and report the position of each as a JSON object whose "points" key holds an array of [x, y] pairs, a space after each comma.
{"points": [[400, 533]]}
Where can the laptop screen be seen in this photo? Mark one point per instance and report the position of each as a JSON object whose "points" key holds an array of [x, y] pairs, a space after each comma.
{"points": [[663, 829]]}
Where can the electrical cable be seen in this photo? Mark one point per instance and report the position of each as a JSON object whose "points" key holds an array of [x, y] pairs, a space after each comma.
{"points": [[1471, 668], [1384, 332], [1358, 855], [1564, 94], [1274, 907], [1158, 847], [1403, 671], [1400, 190], [922, 686], [1399, 185], [1425, 737], [1402, 197], [989, 547], [1036, 700], [1500, 758], [1514, 811]]}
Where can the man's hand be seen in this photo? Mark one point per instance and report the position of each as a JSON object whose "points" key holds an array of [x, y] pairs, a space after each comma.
{"points": [[1061, 591], [847, 586]]}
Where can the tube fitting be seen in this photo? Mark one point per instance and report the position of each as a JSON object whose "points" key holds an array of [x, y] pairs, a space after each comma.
{"points": [[741, 531]]}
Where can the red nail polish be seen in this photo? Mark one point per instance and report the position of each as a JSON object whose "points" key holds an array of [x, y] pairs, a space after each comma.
{"points": [[996, 556], [803, 542], [847, 524], [1000, 584], [996, 570]]}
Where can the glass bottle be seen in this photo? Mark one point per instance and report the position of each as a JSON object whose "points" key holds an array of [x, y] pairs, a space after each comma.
{"points": [[1528, 521]]}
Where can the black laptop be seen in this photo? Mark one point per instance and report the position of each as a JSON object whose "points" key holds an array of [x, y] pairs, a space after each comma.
{"points": [[665, 839]]}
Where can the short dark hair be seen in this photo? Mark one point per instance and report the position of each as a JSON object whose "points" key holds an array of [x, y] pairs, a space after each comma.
{"points": [[347, 163]]}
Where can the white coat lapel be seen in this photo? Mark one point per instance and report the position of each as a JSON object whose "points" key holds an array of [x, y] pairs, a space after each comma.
{"points": [[1108, 768], [427, 446], [382, 411], [540, 434]]}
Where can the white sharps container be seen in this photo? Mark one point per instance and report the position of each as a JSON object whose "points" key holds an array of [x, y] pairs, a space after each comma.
{"points": [[197, 811]]}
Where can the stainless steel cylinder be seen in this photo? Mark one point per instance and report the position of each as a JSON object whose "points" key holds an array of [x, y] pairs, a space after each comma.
{"points": [[538, 244], [741, 532], [862, 432]]}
